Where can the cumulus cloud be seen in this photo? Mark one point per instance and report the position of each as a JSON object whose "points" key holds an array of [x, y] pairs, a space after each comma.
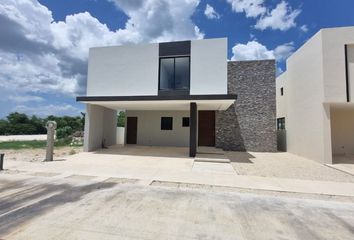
{"points": [[252, 8], [25, 98], [282, 17], [210, 12], [254, 50], [304, 28], [38, 54], [282, 52], [159, 20], [51, 109]]}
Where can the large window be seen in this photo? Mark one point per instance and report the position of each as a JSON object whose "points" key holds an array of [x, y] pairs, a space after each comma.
{"points": [[174, 73]]}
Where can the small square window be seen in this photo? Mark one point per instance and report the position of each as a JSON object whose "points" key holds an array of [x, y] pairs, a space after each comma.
{"points": [[185, 122], [281, 91], [166, 123], [281, 123]]}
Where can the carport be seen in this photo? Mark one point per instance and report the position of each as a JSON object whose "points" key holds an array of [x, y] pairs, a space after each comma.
{"points": [[342, 133], [101, 116]]}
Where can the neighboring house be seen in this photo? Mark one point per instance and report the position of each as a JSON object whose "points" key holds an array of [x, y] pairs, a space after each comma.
{"points": [[315, 96], [184, 94]]}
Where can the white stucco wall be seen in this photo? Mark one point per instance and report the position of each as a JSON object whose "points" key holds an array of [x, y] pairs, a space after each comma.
{"points": [[128, 70], [149, 128], [209, 66], [304, 95], [109, 126], [100, 123], [120, 135], [132, 70], [281, 100], [333, 41], [342, 128], [350, 56], [315, 81]]}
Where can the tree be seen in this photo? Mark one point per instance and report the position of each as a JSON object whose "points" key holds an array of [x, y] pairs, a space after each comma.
{"points": [[121, 119], [19, 123], [4, 126], [15, 118]]}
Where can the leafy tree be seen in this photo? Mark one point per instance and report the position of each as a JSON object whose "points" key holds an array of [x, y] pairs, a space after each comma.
{"points": [[121, 119], [39, 124], [4, 125], [19, 123], [15, 118]]}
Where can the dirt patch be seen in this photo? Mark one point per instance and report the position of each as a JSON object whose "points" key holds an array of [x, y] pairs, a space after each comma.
{"points": [[38, 154], [284, 165]]}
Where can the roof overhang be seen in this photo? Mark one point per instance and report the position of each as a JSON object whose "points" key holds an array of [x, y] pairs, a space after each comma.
{"points": [[204, 102]]}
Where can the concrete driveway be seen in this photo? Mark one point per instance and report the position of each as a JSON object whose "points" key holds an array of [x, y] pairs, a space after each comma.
{"points": [[49, 206]]}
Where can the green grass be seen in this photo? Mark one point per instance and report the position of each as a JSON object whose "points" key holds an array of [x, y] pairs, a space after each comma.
{"points": [[33, 144]]}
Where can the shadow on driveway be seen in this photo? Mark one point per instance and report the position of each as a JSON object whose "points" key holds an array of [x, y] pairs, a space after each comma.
{"points": [[31, 202]]}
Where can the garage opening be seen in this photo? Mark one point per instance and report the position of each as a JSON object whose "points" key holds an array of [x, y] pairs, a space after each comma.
{"points": [[342, 133]]}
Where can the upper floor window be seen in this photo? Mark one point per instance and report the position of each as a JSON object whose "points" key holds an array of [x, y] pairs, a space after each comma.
{"points": [[174, 73]]}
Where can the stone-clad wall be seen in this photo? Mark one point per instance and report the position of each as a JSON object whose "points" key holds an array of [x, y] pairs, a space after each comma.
{"points": [[250, 123]]}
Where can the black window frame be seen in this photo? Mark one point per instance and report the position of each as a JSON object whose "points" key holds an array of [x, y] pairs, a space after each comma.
{"points": [[169, 126], [174, 72], [185, 122], [281, 91], [281, 123]]}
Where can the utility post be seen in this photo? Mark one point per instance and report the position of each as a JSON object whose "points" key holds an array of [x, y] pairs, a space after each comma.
{"points": [[50, 126]]}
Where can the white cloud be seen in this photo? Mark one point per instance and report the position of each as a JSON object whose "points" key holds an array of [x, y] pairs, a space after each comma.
{"points": [[252, 8], [25, 98], [282, 52], [304, 28], [45, 110], [210, 12], [254, 50], [282, 17], [159, 20], [39, 55]]}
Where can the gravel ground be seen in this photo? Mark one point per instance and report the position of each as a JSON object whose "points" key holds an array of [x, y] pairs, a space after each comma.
{"points": [[38, 154], [284, 165]]}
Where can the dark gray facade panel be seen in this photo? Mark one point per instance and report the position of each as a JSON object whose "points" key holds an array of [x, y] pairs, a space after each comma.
{"points": [[249, 124], [182, 48], [155, 98], [193, 129]]}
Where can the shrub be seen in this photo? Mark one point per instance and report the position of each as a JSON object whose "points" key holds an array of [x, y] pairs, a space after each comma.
{"points": [[64, 132]]}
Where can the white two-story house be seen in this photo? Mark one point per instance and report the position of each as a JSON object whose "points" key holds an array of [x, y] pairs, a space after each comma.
{"points": [[315, 97], [183, 94]]}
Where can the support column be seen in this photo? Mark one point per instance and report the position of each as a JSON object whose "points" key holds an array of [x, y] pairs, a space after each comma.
{"points": [[193, 129]]}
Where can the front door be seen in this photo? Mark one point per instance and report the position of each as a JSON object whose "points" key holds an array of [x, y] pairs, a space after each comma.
{"points": [[206, 128], [132, 130]]}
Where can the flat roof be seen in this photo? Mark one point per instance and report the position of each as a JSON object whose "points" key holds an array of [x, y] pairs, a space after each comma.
{"points": [[156, 98], [204, 102]]}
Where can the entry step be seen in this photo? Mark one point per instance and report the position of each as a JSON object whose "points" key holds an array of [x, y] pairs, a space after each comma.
{"points": [[211, 157]]}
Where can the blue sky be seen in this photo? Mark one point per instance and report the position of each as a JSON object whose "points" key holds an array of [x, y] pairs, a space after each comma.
{"points": [[44, 43]]}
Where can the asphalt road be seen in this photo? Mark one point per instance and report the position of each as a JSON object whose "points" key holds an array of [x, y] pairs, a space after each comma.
{"points": [[77, 207]]}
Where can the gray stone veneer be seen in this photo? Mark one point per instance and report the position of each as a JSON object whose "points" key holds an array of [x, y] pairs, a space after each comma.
{"points": [[250, 123]]}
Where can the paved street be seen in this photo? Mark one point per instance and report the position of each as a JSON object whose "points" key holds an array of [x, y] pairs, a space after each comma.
{"points": [[49, 206]]}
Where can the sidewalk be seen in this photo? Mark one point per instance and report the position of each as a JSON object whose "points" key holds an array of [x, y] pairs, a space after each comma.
{"points": [[175, 170]]}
